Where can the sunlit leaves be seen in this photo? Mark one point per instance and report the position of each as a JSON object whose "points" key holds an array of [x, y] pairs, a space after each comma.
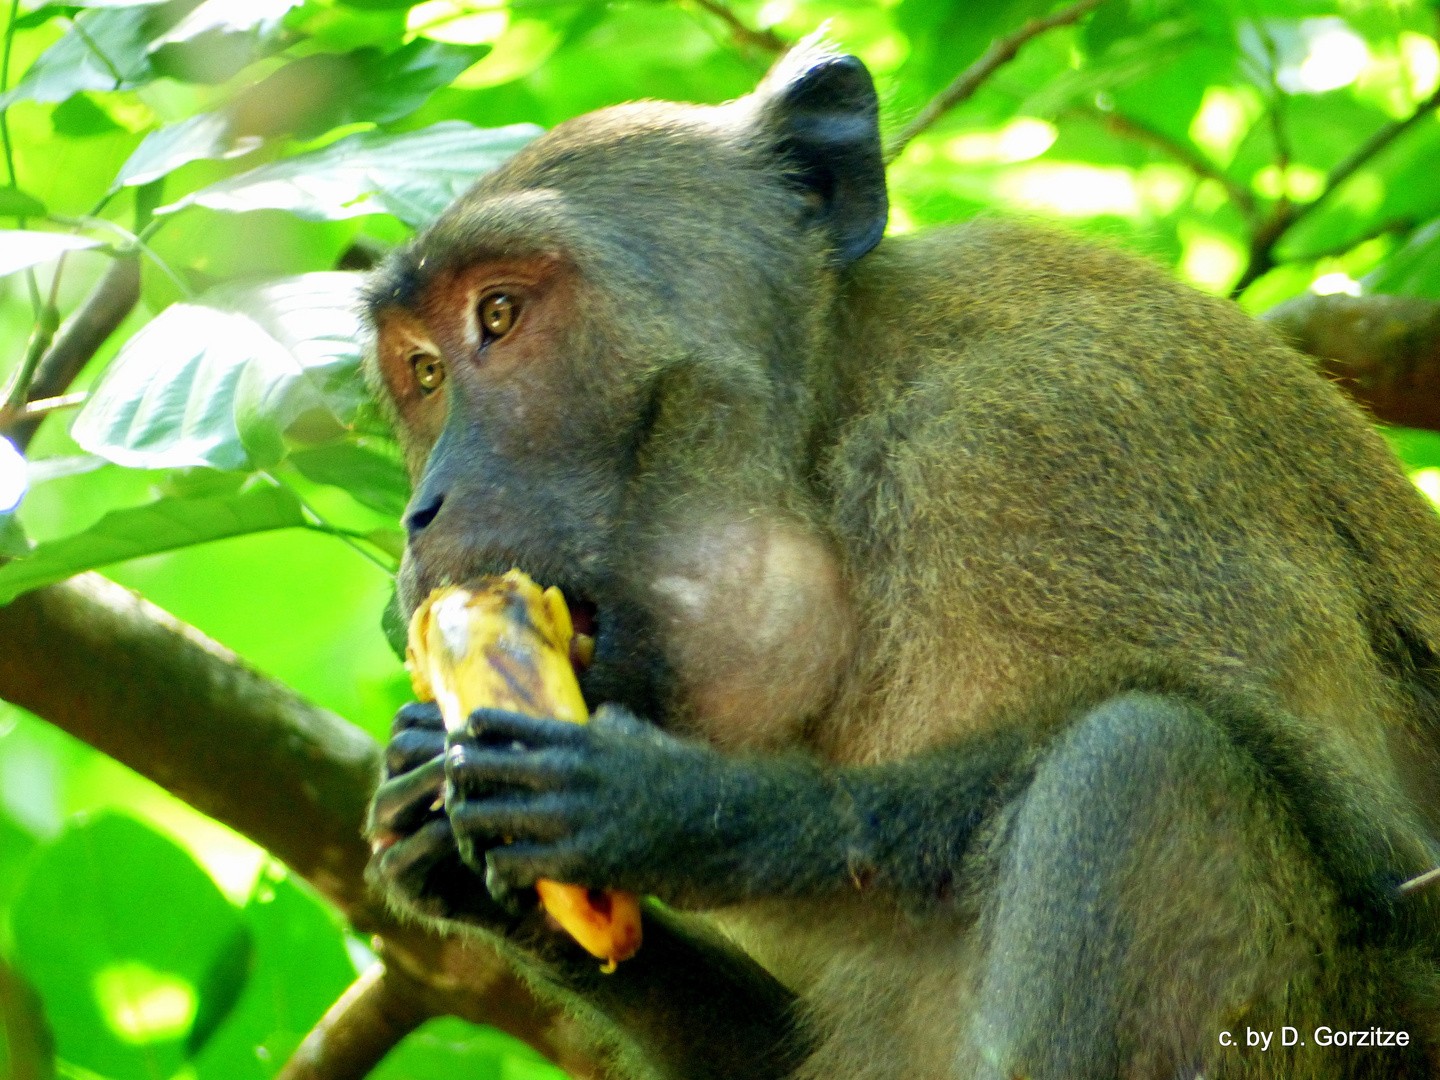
{"points": [[16, 203], [413, 175], [20, 248], [219, 38], [13, 541], [205, 135], [103, 50], [163, 525], [117, 927], [1415, 269], [372, 477], [226, 381]]}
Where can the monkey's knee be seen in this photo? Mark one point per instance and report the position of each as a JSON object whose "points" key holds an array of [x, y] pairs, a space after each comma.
{"points": [[1149, 890]]}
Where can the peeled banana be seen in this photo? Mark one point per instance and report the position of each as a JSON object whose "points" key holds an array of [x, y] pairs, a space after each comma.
{"points": [[505, 643]]}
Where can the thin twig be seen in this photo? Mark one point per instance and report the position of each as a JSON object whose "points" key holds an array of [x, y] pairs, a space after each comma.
{"points": [[18, 390], [45, 406], [1262, 248], [1001, 52], [1400, 225], [98, 316], [1129, 128], [764, 40], [27, 1034], [5, 86]]}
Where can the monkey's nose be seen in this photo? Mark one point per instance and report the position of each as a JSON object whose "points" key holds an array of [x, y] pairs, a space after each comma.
{"points": [[423, 513]]}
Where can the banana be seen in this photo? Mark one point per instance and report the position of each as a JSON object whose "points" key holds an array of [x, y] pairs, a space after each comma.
{"points": [[504, 643]]}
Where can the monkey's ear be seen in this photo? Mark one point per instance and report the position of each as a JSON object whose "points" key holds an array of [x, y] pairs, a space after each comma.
{"points": [[819, 112]]}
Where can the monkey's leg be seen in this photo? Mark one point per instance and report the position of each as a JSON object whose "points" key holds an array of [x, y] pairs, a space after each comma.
{"points": [[1153, 903]]}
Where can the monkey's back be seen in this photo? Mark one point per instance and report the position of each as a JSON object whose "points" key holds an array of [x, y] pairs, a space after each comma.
{"points": [[1073, 469]]}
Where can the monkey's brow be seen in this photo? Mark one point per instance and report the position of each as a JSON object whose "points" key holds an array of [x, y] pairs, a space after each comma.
{"points": [[518, 225]]}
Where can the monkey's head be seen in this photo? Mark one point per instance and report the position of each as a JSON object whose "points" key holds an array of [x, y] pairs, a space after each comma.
{"points": [[607, 362]]}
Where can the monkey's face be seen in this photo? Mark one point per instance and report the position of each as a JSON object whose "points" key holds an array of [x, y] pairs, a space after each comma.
{"points": [[521, 449], [601, 362]]}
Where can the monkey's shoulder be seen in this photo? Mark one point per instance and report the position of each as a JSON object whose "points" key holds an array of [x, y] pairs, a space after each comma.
{"points": [[1009, 313]]}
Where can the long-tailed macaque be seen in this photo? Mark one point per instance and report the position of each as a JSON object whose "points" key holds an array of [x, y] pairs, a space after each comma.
{"points": [[1011, 663]]}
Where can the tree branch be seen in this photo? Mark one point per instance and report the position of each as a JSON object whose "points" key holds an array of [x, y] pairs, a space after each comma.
{"points": [[79, 339], [1192, 159], [1384, 351], [368, 1021], [1288, 214], [764, 40], [160, 697], [1001, 52]]}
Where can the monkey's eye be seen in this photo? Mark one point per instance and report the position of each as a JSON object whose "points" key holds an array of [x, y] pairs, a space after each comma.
{"points": [[498, 312], [429, 371]]}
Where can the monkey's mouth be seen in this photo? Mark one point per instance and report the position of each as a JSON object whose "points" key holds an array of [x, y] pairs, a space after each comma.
{"points": [[585, 620]]}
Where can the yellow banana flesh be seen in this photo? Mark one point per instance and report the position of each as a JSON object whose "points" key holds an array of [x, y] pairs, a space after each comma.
{"points": [[503, 643]]}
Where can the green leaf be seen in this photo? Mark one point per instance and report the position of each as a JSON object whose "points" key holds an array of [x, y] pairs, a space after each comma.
{"points": [[395, 84], [104, 50], [43, 14], [1416, 449], [1414, 270], [163, 525], [204, 136], [14, 544], [373, 478], [324, 90], [20, 248], [298, 968], [221, 986], [117, 927], [219, 38], [413, 175], [79, 117], [450, 1047], [228, 381], [394, 625]]}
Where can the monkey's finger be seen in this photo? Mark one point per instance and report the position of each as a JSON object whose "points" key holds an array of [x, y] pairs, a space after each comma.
{"points": [[412, 748], [406, 864], [520, 865], [497, 727], [539, 818], [470, 768], [418, 714], [400, 805], [514, 897]]}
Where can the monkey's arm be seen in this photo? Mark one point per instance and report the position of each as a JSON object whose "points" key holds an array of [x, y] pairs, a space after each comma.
{"points": [[687, 1006], [620, 804]]}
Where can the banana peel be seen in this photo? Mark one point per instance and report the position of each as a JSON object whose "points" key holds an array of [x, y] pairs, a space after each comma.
{"points": [[504, 643]]}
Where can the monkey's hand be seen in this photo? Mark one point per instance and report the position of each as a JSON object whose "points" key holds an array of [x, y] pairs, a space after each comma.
{"points": [[415, 861], [617, 803]]}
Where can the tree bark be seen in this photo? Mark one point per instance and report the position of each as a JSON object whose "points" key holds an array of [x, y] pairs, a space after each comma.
{"points": [[1384, 351]]}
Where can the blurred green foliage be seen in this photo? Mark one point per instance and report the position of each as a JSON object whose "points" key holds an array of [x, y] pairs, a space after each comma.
{"points": [[228, 467]]}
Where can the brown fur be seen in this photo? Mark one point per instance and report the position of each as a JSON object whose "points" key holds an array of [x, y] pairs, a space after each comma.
{"points": [[986, 476]]}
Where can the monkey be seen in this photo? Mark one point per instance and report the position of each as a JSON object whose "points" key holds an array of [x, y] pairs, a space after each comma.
{"points": [[1009, 661]]}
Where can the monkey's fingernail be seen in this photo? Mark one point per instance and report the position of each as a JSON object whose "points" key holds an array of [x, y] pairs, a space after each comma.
{"points": [[383, 842]]}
